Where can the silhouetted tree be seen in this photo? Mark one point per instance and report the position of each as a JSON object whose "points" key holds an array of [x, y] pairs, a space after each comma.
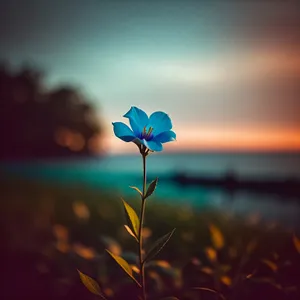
{"points": [[40, 123]]}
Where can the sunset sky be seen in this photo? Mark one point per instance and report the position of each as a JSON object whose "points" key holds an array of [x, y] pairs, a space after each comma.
{"points": [[227, 72]]}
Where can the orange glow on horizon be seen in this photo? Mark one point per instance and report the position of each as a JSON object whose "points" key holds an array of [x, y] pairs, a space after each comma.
{"points": [[218, 139], [240, 139]]}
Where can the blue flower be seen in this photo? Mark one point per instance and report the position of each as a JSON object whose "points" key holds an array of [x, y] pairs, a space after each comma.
{"points": [[151, 131]]}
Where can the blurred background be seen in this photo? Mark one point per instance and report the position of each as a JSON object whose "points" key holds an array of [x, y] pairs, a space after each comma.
{"points": [[227, 73]]}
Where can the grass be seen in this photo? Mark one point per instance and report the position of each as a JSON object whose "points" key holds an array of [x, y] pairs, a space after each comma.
{"points": [[49, 231]]}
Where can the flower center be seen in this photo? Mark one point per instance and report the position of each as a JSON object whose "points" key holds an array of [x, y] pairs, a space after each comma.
{"points": [[147, 133]]}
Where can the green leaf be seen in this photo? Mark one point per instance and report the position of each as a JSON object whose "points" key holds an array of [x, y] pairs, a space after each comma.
{"points": [[151, 188], [137, 189], [90, 284], [133, 218], [124, 265], [131, 232], [158, 245]]}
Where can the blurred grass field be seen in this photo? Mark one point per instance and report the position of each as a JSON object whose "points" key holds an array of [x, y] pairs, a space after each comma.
{"points": [[49, 231]]}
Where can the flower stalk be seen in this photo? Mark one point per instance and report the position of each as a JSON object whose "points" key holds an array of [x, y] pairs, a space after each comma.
{"points": [[144, 153]]}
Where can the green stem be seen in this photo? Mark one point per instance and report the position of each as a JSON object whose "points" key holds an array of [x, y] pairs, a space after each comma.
{"points": [[142, 267]]}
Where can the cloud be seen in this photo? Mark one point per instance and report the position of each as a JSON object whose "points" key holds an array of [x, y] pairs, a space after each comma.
{"points": [[238, 68]]}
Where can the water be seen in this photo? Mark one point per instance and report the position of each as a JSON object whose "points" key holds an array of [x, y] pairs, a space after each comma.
{"points": [[119, 172]]}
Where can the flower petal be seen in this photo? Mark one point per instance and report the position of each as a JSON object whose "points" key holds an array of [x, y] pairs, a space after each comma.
{"points": [[153, 145], [166, 136], [123, 132], [138, 119], [160, 122]]}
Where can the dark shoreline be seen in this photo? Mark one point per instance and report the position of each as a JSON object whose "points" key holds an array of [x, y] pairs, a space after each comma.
{"points": [[289, 187]]}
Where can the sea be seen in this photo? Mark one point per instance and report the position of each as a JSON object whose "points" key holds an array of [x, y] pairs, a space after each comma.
{"points": [[118, 172]]}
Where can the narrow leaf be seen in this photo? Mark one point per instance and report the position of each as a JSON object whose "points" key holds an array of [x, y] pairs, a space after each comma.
{"points": [[131, 232], [211, 254], [216, 237], [90, 284], [133, 218], [137, 189], [151, 188], [268, 281], [211, 291], [124, 265], [296, 241], [270, 264], [226, 280], [158, 245]]}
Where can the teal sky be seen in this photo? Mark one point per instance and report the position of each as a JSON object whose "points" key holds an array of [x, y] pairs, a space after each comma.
{"points": [[221, 69]]}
